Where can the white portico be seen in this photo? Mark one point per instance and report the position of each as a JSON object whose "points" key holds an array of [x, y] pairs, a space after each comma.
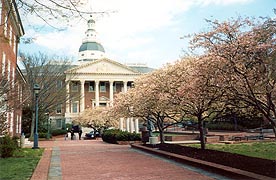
{"points": [[95, 83]]}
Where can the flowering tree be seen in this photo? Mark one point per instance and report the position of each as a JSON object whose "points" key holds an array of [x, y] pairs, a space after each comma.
{"points": [[97, 118], [196, 91], [247, 50], [148, 100]]}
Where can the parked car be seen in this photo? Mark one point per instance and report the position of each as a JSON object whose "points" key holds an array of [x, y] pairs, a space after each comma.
{"points": [[90, 135], [190, 125]]}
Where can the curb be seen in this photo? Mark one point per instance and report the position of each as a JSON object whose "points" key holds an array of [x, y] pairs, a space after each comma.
{"points": [[240, 174]]}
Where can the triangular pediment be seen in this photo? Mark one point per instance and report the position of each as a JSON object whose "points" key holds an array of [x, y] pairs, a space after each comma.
{"points": [[103, 66]]}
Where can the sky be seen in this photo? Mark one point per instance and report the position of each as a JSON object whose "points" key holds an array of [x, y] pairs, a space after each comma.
{"points": [[141, 31]]}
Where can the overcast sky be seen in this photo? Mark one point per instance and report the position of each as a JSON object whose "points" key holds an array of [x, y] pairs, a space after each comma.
{"points": [[142, 31]]}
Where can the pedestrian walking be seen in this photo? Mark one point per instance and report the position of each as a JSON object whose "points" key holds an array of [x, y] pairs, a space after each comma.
{"points": [[80, 132], [72, 134]]}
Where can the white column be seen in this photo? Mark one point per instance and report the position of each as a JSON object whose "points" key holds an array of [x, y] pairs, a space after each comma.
{"points": [[127, 124], [97, 94], [67, 97], [111, 92], [131, 124], [121, 124], [82, 98], [137, 125], [125, 86]]}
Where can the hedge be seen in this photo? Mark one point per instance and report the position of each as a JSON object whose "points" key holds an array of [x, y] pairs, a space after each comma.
{"points": [[7, 146], [114, 135]]}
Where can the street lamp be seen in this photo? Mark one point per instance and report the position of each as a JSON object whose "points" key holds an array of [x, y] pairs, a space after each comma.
{"points": [[36, 91]]}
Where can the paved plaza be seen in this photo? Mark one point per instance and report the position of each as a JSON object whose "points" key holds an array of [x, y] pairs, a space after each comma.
{"points": [[95, 159]]}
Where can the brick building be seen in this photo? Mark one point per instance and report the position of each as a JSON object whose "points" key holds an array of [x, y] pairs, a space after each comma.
{"points": [[11, 79]]}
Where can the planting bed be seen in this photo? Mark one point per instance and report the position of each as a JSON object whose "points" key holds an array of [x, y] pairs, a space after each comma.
{"points": [[256, 165]]}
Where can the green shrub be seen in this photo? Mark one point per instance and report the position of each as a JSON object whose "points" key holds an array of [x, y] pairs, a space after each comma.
{"points": [[7, 146], [135, 137], [56, 132], [223, 126], [114, 135], [122, 136], [110, 135], [42, 135]]}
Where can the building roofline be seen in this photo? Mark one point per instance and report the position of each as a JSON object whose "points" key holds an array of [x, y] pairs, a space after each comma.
{"points": [[18, 16], [21, 74]]}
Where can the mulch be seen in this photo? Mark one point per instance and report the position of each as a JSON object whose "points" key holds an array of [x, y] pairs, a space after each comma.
{"points": [[256, 165]]}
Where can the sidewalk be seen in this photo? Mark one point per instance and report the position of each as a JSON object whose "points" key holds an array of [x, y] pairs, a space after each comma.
{"points": [[94, 159]]}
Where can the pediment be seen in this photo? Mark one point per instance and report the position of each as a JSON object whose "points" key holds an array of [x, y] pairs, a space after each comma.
{"points": [[103, 66]]}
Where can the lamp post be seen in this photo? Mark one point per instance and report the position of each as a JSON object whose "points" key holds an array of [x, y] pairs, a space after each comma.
{"points": [[36, 91]]}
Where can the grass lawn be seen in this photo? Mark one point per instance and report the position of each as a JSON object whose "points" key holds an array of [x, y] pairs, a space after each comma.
{"points": [[265, 150], [21, 165]]}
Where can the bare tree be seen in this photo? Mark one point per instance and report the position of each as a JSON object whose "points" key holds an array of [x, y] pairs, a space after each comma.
{"points": [[58, 14], [49, 75]]}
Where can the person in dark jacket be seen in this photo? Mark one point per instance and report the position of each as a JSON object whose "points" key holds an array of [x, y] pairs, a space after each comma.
{"points": [[72, 134], [80, 132]]}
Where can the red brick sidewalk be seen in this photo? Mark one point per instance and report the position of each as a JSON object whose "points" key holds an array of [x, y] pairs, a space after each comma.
{"points": [[94, 159], [42, 169]]}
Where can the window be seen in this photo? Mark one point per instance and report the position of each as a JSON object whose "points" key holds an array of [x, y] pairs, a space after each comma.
{"points": [[17, 124], [1, 12], [13, 77], [91, 87], [59, 123], [3, 64], [9, 69], [21, 94], [59, 84], [75, 108], [10, 38], [102, 87], [58, 109], [11, 121], [74, 87], [14, 44]]}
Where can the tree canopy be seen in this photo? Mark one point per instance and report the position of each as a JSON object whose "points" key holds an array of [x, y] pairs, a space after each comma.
{"points": [[231, 66]]}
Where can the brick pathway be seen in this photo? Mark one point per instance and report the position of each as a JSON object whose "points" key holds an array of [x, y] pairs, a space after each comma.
{"points": [[94, 159]]}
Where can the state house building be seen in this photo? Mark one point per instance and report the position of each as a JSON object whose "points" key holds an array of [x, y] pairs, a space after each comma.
{"points": [[96, 78]]}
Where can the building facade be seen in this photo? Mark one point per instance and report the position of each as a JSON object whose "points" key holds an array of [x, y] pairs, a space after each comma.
{"points": [[97, 79], [11, 79]]}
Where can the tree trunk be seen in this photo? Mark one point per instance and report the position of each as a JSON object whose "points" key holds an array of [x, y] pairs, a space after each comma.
{"points": [[162, 139], [160, 126], [274, 130], [201, 134]]}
